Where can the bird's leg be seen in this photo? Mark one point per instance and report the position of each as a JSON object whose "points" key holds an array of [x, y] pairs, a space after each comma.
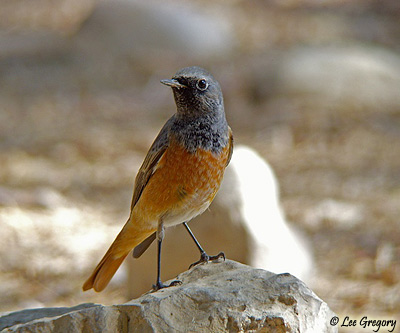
{"points": [[204, 257], [159, 284], [160, 237]]}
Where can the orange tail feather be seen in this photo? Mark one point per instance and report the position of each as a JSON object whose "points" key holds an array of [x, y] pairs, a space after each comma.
{"points": [[103, 273], [126, 240]]}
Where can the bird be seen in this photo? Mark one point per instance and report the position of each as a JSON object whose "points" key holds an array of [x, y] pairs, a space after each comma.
{"points": [[179, 177]]}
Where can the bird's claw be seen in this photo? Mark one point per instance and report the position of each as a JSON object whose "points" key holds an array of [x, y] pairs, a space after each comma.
{"points": [[159, 285], [204, 258]]}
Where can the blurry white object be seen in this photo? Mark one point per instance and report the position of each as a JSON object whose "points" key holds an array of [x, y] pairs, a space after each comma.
{"points": [[274, 246]]}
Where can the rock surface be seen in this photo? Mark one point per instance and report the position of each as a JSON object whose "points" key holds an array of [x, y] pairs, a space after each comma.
{"points": [[214, 297]]}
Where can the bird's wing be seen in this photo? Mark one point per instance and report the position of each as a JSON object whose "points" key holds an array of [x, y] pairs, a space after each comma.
{"points": [[143, 246], [150, 162]]}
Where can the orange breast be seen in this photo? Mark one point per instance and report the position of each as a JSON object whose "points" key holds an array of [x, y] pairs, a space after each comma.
{"points": [[182, 184]]}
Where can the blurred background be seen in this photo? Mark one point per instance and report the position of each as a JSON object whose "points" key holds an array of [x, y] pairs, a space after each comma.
{"points": [[313, 86]]}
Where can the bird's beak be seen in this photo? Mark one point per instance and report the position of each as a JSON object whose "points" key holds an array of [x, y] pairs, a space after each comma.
{"points": [[173, 83]]}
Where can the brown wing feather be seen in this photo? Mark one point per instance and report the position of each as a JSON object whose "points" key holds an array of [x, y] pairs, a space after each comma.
{"points": [[143, 246], [150, 162], [145, 172]]}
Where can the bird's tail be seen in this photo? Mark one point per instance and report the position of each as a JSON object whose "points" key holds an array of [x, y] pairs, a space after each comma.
{"points": [[126, 240]]}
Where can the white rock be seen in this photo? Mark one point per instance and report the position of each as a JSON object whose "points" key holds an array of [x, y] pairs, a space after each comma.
{"points": [[214, 297]]}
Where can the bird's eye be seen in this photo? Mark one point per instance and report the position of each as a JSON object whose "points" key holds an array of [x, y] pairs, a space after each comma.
{"points": [[202, 84]]}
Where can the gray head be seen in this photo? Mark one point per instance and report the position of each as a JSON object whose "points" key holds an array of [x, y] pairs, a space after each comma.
{"points": [[196, 91]]}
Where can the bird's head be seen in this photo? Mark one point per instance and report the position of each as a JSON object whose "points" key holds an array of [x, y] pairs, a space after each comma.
{"points": [[196, 91]]}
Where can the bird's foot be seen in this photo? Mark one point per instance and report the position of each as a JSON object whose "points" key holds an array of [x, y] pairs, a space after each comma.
{"points": [[159, 285], [204, 257]]}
